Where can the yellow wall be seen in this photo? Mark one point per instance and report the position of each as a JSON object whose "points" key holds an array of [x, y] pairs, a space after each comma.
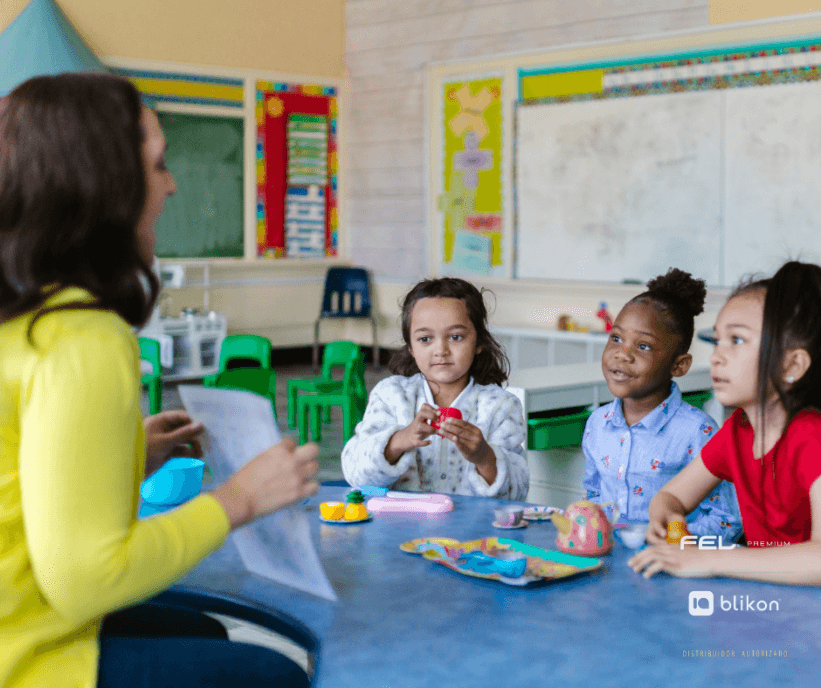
{"points": [[302, 37], [726, 11]]}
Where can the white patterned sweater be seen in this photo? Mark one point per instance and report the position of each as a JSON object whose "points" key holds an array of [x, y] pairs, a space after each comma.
{"points": [[394, 403]]}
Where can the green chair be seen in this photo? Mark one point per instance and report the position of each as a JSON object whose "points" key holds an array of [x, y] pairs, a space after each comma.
{"points": [[257, 380], [353, 398], [150, 352], [249, 346], [241, 346], [336, 355]]}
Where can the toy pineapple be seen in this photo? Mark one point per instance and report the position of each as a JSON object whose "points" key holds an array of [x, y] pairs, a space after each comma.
{"points": [[355, 510]]}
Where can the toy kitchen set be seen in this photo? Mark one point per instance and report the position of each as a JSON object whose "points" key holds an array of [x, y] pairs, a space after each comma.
{"points": [[189, 342]]}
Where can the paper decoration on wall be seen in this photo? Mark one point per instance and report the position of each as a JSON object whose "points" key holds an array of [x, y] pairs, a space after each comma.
{"points": [[191, 89], [471, 253], [472, 184], [41, 40], [305, 221], [307, 150], [286, 161]]}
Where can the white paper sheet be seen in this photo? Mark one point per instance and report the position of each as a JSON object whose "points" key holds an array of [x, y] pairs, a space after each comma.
{"points": [[238, 426]]}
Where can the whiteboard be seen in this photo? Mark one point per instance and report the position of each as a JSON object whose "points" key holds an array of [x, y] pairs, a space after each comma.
{"points": [[773, 181], [721, 184]]}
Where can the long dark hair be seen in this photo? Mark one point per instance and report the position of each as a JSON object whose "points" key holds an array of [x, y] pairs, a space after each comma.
{"points": [[792, 320], [490, 366], [73, 190], [678, 297]]}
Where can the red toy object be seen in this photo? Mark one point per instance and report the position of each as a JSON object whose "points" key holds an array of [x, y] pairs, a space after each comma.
{"points": [[604, 314], [446, 412]]}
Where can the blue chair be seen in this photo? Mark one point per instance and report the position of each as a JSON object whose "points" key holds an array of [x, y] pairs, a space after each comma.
{"points": [[188, 600], [347, 295]]}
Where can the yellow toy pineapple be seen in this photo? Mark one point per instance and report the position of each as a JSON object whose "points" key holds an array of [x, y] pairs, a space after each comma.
{"points": [[355, 510]]}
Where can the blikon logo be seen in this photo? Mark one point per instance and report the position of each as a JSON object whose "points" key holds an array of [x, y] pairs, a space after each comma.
{"points": [[702, 603]]}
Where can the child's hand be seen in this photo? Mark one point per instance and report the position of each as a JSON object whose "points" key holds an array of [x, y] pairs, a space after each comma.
{"points": [[688, 562], [470, 441], [663, 510], [415, 435]]}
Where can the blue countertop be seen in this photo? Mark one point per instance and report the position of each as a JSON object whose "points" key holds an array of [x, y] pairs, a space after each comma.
{"points": [[406, 622]]}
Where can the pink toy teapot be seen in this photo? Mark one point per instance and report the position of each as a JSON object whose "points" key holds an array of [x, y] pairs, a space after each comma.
{"points": [[585, 529]]}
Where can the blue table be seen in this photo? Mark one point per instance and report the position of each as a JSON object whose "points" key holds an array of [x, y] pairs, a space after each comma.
{"points": [[403, 621]]}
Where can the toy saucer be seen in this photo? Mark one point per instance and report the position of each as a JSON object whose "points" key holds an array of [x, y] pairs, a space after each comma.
{"points": [[540, 513], [345, 522], [523, 524], [413, 546]]}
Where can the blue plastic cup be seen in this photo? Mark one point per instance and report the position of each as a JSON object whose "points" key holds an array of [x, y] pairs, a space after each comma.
{"points": [[176, 482]]}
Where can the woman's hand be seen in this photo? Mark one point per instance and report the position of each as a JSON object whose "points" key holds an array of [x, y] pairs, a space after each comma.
{"points": [[167, 434], [415, 435], [278, 477], [687, 562], [471, 443]]}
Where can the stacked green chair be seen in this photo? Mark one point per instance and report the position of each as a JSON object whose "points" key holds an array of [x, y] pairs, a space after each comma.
{"points": [[259, 379], [150, 352], [336, 355], [353, 398]]}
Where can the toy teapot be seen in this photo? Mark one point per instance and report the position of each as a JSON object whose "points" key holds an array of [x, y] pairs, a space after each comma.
{"points": [[585, 529]]}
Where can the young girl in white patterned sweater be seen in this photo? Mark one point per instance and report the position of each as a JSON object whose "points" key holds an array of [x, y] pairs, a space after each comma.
{"points": [[449, 359]]}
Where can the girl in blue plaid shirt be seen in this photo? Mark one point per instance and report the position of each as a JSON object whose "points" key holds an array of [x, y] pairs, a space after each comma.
{"points": [[647, 434]]}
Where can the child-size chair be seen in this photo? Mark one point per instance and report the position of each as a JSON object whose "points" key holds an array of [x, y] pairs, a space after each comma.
{"points": [[150, 353], [335, 355], [353, 398], [257, 380], [347, 295], [246, 346]]}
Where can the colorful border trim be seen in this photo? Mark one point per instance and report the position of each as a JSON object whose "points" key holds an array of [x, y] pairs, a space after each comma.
{"points": [[713, 69], [264, 88], [187, 88]]}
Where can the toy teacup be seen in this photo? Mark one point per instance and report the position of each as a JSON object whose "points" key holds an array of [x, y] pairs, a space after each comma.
{"points": [[446, 412], [585, 529]]}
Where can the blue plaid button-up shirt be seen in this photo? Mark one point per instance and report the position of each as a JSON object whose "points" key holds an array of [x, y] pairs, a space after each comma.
{"points": [[627, 465]]}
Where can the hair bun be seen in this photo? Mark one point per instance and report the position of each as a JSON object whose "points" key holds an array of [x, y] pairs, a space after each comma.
{"points": [[679, 287]]}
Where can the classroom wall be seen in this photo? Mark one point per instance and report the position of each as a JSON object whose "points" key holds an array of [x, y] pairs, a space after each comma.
{"points": [[305, 37], [389, 49]]}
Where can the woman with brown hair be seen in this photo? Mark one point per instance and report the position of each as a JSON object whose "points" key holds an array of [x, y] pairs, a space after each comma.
{"points": [[82, 183]]}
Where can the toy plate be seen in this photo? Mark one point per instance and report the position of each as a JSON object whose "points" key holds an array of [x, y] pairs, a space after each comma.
{"points": [[344, 521], [542, 565], [540, 513]]}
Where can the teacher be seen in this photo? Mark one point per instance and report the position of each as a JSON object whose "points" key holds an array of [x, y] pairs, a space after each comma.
{"points": [[82, 183]]}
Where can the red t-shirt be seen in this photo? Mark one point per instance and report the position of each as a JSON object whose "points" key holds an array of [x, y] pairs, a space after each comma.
{"points": [[773, 492]]}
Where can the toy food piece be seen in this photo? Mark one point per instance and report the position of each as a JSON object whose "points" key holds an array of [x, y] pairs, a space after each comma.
{"points": [[355, 509], [675, 531], [332, 511], [446, 412]]}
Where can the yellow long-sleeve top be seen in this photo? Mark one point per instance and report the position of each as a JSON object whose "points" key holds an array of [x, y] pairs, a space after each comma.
{"points": [[72, 457]]}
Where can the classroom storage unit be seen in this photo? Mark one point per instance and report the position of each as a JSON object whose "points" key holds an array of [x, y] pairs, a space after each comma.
{"points": [[197, 340]]}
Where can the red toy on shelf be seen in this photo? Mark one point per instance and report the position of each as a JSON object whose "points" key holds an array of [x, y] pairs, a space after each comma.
{"points": [[604, 314]]}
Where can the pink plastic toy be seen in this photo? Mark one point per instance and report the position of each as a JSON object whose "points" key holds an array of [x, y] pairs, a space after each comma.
{"points": [[585, 529], [410, 502], [604, 314], [447, 412]]}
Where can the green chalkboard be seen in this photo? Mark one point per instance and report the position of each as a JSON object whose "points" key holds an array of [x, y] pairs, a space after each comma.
{"points": [[205, 218]]}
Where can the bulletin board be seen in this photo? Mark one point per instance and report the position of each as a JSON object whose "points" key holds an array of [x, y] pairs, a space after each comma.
{"points": [[708, 161], [472, 200], [255, 161], [297, 209]]}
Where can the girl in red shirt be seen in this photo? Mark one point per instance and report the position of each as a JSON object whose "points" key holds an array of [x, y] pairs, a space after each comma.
{"points": [[767, 363]]}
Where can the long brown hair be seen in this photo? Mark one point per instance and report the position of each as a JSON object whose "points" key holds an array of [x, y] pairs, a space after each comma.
{"points": [[490, 366], [72, 192]]}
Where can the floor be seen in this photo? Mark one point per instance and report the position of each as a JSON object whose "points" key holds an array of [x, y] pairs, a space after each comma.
{"points": [[329, 469]]}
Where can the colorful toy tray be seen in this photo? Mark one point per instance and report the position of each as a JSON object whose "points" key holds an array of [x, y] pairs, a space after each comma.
{"points": [[470, 559], [540, 513]]}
